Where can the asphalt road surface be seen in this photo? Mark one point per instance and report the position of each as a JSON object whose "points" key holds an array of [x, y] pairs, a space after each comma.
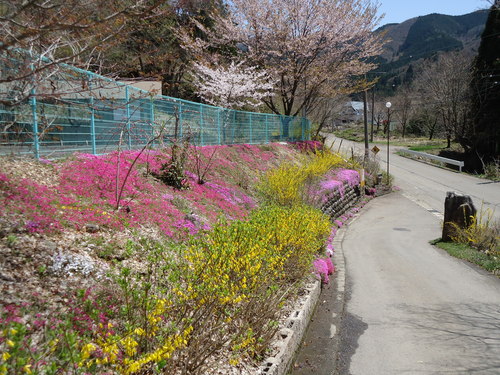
{"points": [[427, 184], [412, 308]]}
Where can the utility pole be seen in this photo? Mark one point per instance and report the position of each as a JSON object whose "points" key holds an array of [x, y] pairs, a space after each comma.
{"points": [[373, 113], [365, 118], [388, 105]]}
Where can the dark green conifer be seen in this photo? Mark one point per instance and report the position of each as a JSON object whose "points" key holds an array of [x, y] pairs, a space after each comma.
{"points": [[484, 134]]}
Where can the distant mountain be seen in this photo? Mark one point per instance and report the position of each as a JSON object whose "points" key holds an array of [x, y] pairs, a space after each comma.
{"points": [[423, 37]]}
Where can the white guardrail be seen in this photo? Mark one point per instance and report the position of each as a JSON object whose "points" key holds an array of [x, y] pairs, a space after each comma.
{"points": [[458, 163]]}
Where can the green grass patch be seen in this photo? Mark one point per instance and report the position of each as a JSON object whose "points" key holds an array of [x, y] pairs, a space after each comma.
{"points": [[428, 147], [465, 252], [353, 133]]}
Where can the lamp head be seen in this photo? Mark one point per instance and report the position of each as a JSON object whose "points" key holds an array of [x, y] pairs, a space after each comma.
{"points": [[388, 104]]}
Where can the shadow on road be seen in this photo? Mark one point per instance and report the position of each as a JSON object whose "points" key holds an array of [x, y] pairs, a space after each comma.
{"points": [[352, 329], [470, 332]]}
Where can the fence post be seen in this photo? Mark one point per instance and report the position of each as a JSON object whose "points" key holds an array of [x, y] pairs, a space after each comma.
{"points": [[36, 143], [92, 118], [201, 124], [127, 100], [303, 123], [282, 127], [179, 115], [152, 116], [267, 127], [251, 129], [233, 126], [219, 129]]}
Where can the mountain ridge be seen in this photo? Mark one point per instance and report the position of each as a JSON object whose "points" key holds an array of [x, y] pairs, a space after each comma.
{"points": [[423, 37]]}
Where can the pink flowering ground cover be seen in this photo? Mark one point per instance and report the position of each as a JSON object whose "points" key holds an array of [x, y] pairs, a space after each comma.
{"points": [[114, 192], [60, 279], [334, 182]]}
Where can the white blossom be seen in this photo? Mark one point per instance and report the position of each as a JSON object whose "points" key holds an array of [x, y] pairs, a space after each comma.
{"points": [[232, 86], [309, 48]]}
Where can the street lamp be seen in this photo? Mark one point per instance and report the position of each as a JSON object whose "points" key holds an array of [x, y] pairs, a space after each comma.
{"points": [[388, 105]]}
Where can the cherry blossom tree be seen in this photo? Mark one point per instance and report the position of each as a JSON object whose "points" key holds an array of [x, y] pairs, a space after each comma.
{"points": [[310, 48], [233, 86]]}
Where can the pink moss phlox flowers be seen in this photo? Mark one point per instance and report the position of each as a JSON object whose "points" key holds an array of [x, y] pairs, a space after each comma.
{"points": [[86, 190], [335, 180], [332, 185], [308, 146], [348, 175], [323, 268], [329, 265]]}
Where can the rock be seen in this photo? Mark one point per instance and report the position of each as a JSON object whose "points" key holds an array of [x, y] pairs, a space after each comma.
{"points": [[191, 217], [7, 228], [92, 228], [458, 209], [8, 278], [47, 245]]}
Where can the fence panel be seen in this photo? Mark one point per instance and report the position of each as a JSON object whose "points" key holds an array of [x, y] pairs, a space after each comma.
{"points": [[94, 114]]}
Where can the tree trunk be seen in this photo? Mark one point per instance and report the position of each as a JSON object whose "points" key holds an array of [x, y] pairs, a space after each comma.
{"points": [[432, 130]]}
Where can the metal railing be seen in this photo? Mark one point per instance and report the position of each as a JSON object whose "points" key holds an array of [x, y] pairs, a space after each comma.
{"points": [[95, 114], [424, 155]]}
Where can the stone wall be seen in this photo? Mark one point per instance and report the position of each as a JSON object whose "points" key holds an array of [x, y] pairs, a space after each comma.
{"points": [[341, 200]]}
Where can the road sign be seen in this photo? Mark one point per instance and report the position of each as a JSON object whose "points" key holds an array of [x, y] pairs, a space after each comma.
{"points": [[375, 150]]}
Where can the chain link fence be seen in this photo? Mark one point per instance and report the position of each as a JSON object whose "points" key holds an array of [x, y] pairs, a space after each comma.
{"points": [[61, 109]]}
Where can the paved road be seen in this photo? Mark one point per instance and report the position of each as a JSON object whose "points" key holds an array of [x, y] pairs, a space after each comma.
{"points": [[427, 185], [413, 309]]}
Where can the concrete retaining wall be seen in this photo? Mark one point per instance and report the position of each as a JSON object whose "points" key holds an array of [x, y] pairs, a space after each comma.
{"points": [[291, 334]]}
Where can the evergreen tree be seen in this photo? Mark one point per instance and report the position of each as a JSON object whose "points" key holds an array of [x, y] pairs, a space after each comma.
{"points": [[409, 75], [484, 133]]}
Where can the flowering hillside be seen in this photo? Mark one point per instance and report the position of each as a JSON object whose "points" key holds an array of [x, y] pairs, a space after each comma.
{"points": [[106, 269]]}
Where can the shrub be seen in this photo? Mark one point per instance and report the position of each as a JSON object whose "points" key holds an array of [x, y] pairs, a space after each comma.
{"points": [[483, 233], [492, 170], [185, 302], [243, 272], [172, 173], [287, 184]]}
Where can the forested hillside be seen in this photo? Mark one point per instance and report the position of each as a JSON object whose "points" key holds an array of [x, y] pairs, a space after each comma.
{"points": [[421, 38]]}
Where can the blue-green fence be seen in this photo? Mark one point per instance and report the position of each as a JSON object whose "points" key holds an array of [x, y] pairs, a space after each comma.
{"points": [[72, 110]]}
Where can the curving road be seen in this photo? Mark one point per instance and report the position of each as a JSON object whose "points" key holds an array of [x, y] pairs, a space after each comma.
{"points": [[412, 308], [426, 184]]}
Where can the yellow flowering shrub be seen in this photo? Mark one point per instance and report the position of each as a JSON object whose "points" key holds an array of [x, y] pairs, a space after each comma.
{"points": [[285, 184], [223, 290], [149, 345], [483, 233], [241, 272]]}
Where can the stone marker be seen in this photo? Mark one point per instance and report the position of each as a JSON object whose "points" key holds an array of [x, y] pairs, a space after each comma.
{"points": [[458, 209]]}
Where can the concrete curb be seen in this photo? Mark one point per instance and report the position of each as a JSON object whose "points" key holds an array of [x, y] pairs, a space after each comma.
{"points": [[292, 335]]}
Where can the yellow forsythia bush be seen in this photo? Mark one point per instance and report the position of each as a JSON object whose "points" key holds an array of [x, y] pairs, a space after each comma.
{"points": [[275, 244], [241, 272], [284, 185], [223, 290]]}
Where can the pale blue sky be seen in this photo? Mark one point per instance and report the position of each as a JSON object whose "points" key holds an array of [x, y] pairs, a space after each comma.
{"points": [[397, 11]]}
